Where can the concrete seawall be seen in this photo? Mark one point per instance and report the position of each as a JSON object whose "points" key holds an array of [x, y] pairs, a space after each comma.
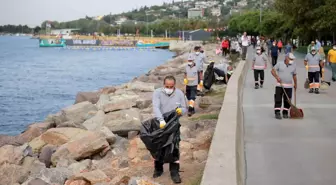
{"points": [[226, 159]]}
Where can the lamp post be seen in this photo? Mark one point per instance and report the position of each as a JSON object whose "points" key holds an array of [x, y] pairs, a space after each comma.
{"points": [[260, 15]]}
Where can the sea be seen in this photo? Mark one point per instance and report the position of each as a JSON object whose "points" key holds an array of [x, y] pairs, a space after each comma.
{"points": [[35, 82]]}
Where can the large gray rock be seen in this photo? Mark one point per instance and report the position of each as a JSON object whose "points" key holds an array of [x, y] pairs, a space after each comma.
{"points": [[120, 105], [46, 153], [79, 167], [103, 99], [60, 136], [37, 181], [94, 177], [81, 148], [57, 118], [92, 97], [109, 136], [144, 100], [12, 173], [11, 154], [78, 112], [142, 86], [121, 122], [96, 122], [52, 175]]}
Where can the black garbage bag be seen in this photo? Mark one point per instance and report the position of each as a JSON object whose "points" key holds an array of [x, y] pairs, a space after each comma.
{"points": [[209, 76], [163, 144]]}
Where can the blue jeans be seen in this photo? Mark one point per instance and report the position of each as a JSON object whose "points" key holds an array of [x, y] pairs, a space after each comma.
{"points": [[333, 69]]}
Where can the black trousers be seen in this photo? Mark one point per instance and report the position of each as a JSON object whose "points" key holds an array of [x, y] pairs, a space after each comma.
{"points": [[280, 97], [259, 73], [191, 92], [225, 51], [280, 50], [274, 60], [314, 78], [244, 51]]}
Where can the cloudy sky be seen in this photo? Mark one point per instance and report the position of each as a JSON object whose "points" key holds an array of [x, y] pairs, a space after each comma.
{"points": [[34, 12]]}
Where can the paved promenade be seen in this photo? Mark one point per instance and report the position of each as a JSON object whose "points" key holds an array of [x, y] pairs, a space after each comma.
{"points": [[289, 152]]}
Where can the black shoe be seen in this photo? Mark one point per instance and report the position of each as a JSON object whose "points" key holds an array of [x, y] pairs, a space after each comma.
{"points": [[174, 172], [158, 171], [261, 85], [193, 111], [285, 116], [311, 90], [256, 86], [190, 111], [317, 91], [333, 79], [278, 116]]}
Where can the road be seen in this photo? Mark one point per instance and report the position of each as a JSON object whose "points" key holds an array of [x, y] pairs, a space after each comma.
{"points": [[289, 152]]}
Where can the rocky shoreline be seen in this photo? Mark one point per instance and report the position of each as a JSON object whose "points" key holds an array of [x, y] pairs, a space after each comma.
{"points": [[95, 141]]}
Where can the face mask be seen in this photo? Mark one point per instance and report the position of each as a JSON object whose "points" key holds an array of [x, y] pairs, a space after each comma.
{"points": [[291, 62], [190, 63], [258, 51], [168, 91], [334, 47], [197, 53], [273, 44], [313, 52]]}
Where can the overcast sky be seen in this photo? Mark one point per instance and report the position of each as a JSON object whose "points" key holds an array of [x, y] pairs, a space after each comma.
{"points": [[34, 12]]}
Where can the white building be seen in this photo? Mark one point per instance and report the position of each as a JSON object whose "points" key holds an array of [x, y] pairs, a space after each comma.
{"points": [[216, 11], [195, 13], [121, 20], [62, 31], [201, 5]]}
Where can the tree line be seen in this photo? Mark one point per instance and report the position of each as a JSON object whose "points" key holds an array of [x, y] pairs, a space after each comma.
{"points": [[306, 19]]}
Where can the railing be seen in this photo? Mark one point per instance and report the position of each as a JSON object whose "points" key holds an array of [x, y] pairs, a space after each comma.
{"points": [[85, 37]]}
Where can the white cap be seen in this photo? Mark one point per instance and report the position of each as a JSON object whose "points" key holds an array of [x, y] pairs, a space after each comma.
{"points": [[291, 56], [191, 57], [313, 48]]}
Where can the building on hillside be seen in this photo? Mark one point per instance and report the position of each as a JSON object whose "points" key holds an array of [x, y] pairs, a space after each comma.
{"points": [[198, 35], [242, 3], [121, 20], [226, 1], [195, 13], [212, 3], [216, 11], [201, 5], [62, 31], [175, 8]]}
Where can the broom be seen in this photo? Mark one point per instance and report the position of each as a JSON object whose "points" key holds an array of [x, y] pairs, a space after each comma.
{"points": [[294, 112]]}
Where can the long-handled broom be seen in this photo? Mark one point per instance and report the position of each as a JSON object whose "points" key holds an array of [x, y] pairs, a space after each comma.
{"points": [[306, 84], [294, 112]]}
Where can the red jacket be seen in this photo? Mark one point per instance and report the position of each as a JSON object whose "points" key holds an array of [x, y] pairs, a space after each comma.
{"points": [[225, 44]]}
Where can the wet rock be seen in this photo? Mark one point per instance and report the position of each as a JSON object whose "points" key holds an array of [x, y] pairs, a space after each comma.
{"points": [[121, 122], [92, 97], [46, 153], [96, 122], [11, 154], [60, 136], [12, 173], [77, 113], [200, 155]]}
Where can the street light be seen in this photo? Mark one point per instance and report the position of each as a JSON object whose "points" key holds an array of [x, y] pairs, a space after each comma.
{"points": [[147, 23]]}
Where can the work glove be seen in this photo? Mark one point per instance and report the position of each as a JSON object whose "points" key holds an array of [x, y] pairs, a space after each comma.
{"points": [[162, 124], [201, 83], [185, 81], [179, 111], [306, 67]]}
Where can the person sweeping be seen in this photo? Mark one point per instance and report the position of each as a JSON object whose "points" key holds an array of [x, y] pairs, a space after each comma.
{"points": [[259, 64], [285, 75], [191, 81], [313, 63]]}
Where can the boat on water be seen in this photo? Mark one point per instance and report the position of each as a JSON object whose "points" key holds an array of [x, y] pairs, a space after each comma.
{"points": [[52, 43]]}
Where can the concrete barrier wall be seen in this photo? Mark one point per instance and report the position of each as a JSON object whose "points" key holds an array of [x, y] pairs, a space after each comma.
{"points": [[226, 158]]}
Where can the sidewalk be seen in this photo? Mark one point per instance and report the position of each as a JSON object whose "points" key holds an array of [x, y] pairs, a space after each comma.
{"points": [[289, 152]]}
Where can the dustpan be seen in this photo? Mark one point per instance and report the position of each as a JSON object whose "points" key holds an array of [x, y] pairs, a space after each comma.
{"points": [[294, 112]]}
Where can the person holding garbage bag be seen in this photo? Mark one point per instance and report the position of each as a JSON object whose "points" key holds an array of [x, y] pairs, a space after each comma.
{"points": [[161, 135]]}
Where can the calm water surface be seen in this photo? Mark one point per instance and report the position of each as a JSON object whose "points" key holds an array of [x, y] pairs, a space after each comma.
{"points": [[35, 82]]}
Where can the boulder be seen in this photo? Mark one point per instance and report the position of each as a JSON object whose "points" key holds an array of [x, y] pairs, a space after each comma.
{"points": [[79, 167], [121, 122], [78, 112], [81, 148], [185, 146], [200, 155], [37, 181], [37, 144], [96, 176], [132, 134], [77, 182], [11, 154], [60, 136], [92, 97], [65, 163], [46, 153], [120, 105], [142, 86], [57, 118], [103, 99], [144, 100], [204, 102], [12, 173], [120, 146], [109, 136], [107, 90], [96, 122], [53, 175]]}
